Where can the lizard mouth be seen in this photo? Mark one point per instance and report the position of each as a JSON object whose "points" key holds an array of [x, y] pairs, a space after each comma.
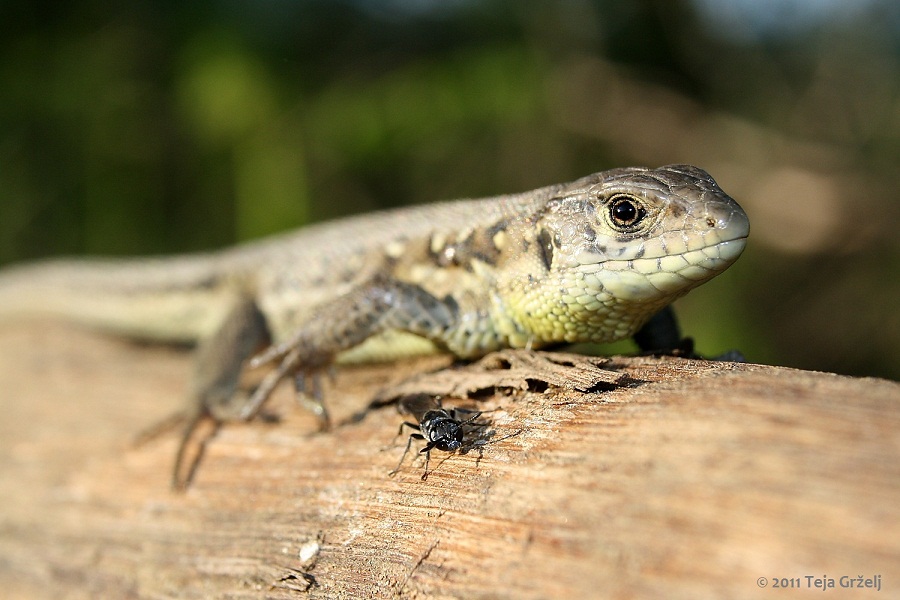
{"points": [[651, 278], [729, 250], [664, 258]]}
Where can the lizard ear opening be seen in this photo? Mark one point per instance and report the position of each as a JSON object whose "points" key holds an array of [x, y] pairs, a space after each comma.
{"points": [[545, 243]]}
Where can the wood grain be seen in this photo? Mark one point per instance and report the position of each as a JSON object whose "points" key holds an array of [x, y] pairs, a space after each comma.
{"points": [[690, 479]]}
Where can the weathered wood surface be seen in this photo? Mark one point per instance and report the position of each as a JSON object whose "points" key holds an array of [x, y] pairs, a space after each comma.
{"points": [[693, 480]]}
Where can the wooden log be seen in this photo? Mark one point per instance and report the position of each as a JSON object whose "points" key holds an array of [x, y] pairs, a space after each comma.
{"points": [[687, 479]]}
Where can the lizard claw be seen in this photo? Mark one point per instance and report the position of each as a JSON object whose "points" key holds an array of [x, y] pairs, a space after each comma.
{"points": [[288, 363], [271, 353], [312, 399]]}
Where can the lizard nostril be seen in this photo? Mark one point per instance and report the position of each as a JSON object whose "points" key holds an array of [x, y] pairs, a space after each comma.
{"points": [[710, 222]]}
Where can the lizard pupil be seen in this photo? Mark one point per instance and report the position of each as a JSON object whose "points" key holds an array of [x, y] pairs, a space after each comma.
{"points": [[625, 212]]}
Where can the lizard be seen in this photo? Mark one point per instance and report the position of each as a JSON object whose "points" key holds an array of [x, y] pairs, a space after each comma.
{"points": [[597, 260]]}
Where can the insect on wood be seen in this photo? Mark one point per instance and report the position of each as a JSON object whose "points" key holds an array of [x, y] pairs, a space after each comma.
{"points": [[440, 428]]}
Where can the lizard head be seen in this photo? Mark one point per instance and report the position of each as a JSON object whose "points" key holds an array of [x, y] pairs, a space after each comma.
{"points": [[606, 252]]}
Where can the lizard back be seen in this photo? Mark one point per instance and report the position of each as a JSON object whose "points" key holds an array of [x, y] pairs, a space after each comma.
{"points": [[182, 298]]}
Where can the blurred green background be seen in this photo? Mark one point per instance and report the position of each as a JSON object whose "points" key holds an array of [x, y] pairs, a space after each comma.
{"points": [[157, 127]]}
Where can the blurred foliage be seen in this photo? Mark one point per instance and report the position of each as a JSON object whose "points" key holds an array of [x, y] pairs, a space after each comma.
{"points": [[169, 127]]}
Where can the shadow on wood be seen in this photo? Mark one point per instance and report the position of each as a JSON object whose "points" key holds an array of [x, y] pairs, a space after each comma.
{"points": [[688, 479]]}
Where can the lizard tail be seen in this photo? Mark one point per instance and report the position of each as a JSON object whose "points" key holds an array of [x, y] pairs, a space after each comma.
{"points": [[152, 299]]}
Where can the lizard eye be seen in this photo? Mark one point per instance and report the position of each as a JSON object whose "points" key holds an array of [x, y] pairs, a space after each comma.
{"points": [[625, 212]]}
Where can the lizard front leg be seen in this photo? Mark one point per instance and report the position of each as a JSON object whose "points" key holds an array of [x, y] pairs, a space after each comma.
{"points": [[661, 335], [382, 303]]}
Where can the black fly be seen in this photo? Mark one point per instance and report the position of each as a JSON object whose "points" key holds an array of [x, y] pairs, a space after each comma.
{"points": [[439, 428]]}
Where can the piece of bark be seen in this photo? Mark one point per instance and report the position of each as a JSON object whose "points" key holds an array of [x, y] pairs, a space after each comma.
{"points": [[692, 479], [509, 370]]}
